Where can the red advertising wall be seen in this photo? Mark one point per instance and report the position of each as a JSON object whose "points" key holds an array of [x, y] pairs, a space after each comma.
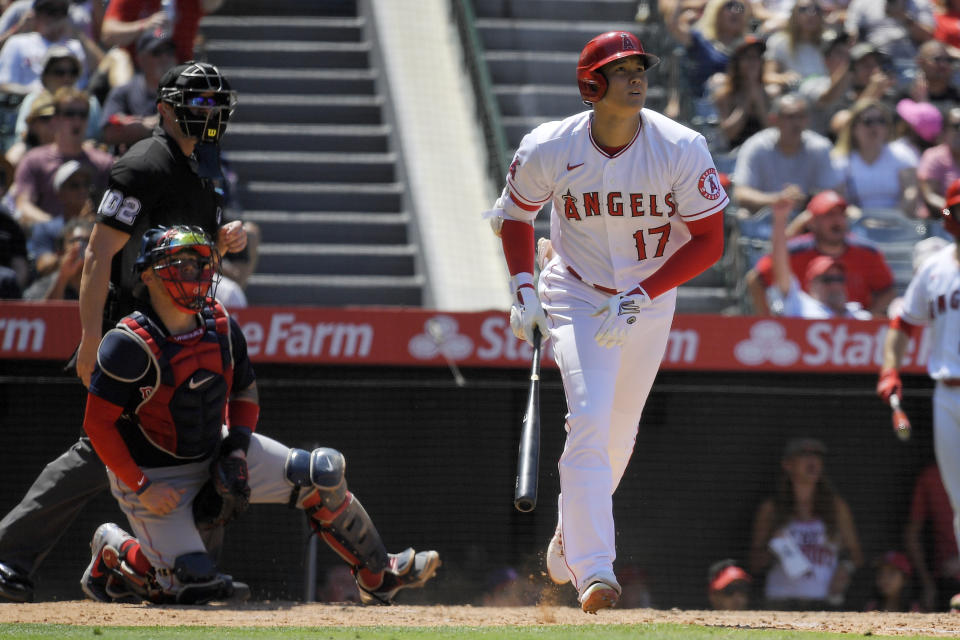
{"points": [[418, 337]]}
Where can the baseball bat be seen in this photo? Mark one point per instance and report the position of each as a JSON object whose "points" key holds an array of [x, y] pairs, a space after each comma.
{"points": [[528, 459], [901, 424]]}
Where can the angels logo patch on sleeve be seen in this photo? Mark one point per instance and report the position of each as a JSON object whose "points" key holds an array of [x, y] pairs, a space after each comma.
{"points": [[709, 184]]}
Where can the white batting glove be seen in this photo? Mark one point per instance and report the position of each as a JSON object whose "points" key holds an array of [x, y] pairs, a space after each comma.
{"points": [[619, 313], [526, 312]]}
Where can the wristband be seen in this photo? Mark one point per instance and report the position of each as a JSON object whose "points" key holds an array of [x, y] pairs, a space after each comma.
{"points": [[145, 483], [522, 279], [243, 413]]}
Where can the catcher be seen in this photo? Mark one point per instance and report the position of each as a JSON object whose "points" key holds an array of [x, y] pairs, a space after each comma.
{"points": [[172, 411]]}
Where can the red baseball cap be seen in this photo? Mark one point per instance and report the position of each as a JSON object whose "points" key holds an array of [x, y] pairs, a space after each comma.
{"points": [[728, 575], [819, 266], [825, 202], [953, 193], [899, 560]]}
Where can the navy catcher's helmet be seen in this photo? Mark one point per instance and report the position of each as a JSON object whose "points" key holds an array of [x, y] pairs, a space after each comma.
{"points": [[185, 259], [201, 99]]}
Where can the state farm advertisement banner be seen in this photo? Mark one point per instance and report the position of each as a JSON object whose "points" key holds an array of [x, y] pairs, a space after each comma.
{"points": [[419, 337]]}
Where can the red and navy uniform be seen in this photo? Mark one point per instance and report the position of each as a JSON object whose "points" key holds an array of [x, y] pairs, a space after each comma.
{"points": [[169, 393], [868, 273]]}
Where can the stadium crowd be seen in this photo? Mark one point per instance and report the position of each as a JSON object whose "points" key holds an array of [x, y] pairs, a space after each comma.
{"points": [[858, 97], [80, 80]]}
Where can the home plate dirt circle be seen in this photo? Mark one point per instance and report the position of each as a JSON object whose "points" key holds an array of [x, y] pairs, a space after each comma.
{"points": [[281, 613]]}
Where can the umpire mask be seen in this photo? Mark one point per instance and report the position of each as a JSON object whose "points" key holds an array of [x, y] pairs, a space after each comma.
{"points": [[201, 98]]}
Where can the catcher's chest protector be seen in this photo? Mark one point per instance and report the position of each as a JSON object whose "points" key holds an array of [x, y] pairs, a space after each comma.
{"points": [[182, 413]]}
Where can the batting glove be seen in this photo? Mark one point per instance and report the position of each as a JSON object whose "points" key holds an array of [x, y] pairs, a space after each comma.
{"points": [[889, 384], [618, 314], [526, 312]]}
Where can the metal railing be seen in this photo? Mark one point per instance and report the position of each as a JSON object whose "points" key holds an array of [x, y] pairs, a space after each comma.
{"points": [[495, 139]]}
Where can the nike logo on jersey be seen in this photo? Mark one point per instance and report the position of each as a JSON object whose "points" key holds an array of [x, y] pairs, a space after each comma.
{"points": [[196, 384], [571, 167], [140, 482]]}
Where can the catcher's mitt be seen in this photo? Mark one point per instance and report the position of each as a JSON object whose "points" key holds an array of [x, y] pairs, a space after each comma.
{"points": [[225, 495]]}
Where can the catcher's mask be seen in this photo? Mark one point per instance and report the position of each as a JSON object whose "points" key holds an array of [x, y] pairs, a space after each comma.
{"points": [[185, 260], [201, 98]]}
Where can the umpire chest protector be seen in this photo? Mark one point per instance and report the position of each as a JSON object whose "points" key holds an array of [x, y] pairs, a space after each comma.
{"points": [[182, 412], [154, 184]]}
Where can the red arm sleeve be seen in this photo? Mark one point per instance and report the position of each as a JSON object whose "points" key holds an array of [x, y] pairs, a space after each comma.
{"points": [[517, 239], [690, 260], [100, 424]]}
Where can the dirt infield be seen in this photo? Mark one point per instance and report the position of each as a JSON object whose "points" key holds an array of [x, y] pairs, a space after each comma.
{"points": [[298, 614]]}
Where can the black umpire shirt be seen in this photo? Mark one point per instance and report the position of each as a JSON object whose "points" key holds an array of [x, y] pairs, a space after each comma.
{"points": [[152, 184]]}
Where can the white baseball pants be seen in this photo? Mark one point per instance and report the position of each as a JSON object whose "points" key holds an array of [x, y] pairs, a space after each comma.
{"points": [[606, 390]]}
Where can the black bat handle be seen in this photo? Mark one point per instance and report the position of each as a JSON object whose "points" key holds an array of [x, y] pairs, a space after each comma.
{"points": [[528, 460]]}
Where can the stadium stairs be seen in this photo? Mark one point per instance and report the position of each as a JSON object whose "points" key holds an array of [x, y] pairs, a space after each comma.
{"points": [[311, 146]]}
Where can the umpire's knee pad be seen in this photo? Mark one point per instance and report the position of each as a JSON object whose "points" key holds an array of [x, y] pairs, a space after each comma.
{"points": [[321, 471], [198, 580]]}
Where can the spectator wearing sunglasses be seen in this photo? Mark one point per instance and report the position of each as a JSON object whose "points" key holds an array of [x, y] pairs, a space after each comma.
{"points": [[876, 175], [933, 80], [868, 278], [34, 195], [60, 69], [39, 128], [22, 56], [728, 586]]}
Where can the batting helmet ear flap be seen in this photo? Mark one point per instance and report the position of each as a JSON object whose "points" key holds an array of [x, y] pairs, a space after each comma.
{"points": [[593, 85]]}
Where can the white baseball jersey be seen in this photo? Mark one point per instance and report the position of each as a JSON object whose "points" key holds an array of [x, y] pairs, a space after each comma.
{"points": [[617, 218], [819, 550], [933, 298]]}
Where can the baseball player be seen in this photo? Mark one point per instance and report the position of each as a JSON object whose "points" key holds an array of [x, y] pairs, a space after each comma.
{"points": [[165, 381], [636, 211], [933, 298], [159, 181]]}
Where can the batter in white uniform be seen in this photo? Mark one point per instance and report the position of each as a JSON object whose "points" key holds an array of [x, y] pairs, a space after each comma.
{"points": [[636, 211], [933, 298]]}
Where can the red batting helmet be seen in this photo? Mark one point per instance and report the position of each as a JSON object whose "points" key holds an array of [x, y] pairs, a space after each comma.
{"points": [[605, 48], [950, 222]]}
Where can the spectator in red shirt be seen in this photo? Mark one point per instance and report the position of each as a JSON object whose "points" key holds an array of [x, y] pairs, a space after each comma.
{"points": [[869, 279], [947, 29], [126, 20], [930, 506]]}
